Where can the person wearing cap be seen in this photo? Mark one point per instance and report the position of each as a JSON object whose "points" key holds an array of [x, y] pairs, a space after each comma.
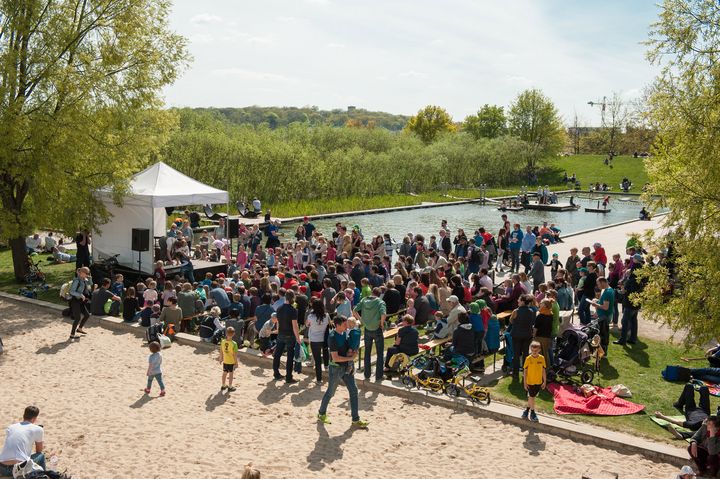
{"points": [[555, 265], [686, 472], [628, 287]]}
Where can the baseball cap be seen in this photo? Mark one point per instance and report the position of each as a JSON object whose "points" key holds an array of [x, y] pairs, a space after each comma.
{"points": [[637, 257], [583, 270], [453, 299], [305, 218], [555, 255], [686, 470]]}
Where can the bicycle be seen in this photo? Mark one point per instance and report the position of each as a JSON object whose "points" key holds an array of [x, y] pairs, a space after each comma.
{"points": [[411, 379], [457, 386]]}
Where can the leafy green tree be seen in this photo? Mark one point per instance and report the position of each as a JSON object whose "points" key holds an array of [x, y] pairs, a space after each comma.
{"points": [[534, 119], [489, 122], [80, 86], [684, 107], [430, 122]]}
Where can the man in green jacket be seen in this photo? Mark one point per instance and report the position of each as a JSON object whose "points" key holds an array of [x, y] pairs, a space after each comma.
{"points": [[371, 313]]}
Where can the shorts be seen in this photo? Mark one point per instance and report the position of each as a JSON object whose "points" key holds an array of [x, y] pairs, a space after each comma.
{"points": [[533, 390], [228, 368]]}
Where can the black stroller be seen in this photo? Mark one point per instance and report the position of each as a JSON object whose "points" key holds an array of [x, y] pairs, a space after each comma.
{"points": [[574, 349]]}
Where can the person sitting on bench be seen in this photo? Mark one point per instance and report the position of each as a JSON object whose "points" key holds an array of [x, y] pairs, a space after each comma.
{"points": [[257, 206], [406, 341], [695, 414]]}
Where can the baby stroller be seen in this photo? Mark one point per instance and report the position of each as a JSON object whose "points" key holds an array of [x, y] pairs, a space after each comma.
{"points": [[572, 354]]}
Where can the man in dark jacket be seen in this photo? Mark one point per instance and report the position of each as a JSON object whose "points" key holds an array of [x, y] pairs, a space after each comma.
{"points": [[629, 321], [522, 322]]}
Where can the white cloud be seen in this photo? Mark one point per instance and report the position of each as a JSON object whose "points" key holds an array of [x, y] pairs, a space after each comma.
{"points": [[259, 40], [206, 19], [251, 75], [201, 38], [335, 45], [412, 74]]}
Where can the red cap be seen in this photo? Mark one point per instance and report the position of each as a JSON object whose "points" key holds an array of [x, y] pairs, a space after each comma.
{"points": [[305, 218], [303, 288], [303, 276]]}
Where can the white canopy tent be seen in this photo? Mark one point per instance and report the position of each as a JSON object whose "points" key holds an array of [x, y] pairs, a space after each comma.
{"points": [[150, 192]]}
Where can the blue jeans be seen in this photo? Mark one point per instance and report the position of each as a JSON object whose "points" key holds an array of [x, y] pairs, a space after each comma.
{"points": [[629, 324], [377, 338], [584, 310], [159, 380], [711, 375], [38, 458], [344, 373], [188, 270], [284, 344]]}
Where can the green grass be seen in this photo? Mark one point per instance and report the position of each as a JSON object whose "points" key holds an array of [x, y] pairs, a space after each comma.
{"points": [[318, 206], [55, 276], [638, 367], [592, 169]]}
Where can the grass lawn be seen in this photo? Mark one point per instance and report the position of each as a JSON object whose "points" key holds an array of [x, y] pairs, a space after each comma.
{"points": [[55, 276], [638, 367], [592, 169]]}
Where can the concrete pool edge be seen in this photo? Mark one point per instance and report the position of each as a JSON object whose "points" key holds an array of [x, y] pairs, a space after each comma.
{"points": [[508, 414]]}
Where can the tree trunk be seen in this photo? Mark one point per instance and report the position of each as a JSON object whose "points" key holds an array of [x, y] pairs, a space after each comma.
{"points": [[19, 257]]}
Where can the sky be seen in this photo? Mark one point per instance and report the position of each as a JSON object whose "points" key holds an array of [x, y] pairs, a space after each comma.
{"points": [[400, 55]]}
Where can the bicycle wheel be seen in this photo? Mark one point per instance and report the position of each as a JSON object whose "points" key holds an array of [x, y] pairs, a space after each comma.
{"points": [[452, 390], [408, 382]]}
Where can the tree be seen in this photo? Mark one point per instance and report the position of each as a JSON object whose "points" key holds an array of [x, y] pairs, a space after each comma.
{"points": [[430, 122], [615, 115], [684, 107], [489, 122], [534, 119], [80, 86]]}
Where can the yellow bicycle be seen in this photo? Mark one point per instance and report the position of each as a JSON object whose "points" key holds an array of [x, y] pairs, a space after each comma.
{"points": [[457, 386], [419, 380]]}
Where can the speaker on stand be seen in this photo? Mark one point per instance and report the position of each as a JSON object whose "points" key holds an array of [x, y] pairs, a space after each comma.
{"points": [[140, 243], [233, 229]]}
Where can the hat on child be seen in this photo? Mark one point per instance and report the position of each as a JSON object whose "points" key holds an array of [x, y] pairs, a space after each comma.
{"points": [[582, 270], [474, 308], [303, 289], [638, 257], [555, 255], [481, 303]]}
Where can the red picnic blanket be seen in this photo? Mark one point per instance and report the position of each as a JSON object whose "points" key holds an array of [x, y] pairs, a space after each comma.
{"points": [[603, 403]]}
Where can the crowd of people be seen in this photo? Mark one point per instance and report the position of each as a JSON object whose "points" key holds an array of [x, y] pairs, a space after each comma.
{"points": [[316, 297]]}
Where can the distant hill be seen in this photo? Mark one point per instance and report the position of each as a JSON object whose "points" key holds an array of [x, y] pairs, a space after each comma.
{"points": [[278, 117]]}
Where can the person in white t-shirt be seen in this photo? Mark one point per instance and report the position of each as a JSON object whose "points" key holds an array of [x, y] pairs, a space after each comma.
{"points": [[19, 441]]}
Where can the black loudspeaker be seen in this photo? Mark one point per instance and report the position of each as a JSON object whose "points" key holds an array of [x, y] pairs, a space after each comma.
{"points": [[233, 226], [140, 239]]}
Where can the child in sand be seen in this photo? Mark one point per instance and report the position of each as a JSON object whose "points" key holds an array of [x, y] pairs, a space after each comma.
{"points": [[534, 378], [228, 356], [154, 370]]}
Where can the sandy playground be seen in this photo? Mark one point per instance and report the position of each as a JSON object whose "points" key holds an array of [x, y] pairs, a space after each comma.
{"points": [[99, 424]]}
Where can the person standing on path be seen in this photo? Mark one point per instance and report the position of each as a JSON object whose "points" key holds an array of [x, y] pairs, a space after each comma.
{"points": [[629, 321], [516, 237], [371, 312], [288, 335], [341, 369], [527, 246]]}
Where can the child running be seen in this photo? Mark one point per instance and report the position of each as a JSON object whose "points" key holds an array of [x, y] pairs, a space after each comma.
{"points": [[155, 368], [228, 356], [534, 378]]}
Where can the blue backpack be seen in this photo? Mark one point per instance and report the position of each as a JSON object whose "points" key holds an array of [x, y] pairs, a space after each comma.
{"points": [[676, 373]]}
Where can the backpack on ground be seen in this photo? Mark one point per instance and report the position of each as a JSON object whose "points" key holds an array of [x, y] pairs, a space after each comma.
{"points": [[23, 470], [676, 373], [65, 290], [165, 341], [153, 331], [218, 336]]}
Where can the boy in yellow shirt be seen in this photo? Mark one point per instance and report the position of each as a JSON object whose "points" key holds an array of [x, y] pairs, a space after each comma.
{"points": [[534, 378], [228, 356]]}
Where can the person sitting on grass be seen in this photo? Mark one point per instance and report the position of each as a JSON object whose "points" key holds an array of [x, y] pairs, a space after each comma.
{"points": [[19, 441], [704, 447], [695, 413], [406, 341], [534, 378], [61, 256]]}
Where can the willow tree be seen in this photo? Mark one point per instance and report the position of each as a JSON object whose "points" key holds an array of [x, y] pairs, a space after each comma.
{"points": [[684, 108], [430, 122], [80, 85]]}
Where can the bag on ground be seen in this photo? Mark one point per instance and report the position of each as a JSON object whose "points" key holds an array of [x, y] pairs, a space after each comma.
{"points": [[153, 331], [165, 342], [23, 470]]}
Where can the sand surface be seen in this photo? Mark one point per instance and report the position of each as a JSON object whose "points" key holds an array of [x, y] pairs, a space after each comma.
{"points": [[99, 424]]}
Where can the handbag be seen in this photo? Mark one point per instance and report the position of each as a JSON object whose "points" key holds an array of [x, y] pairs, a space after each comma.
{"points": [[24, 469], [164, 341]]}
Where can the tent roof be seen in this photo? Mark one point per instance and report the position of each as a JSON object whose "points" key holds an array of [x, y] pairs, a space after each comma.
{"points": [[165, 186]]}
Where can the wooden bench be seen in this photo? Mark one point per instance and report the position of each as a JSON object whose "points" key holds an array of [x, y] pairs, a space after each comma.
{"points": [[435, 343], [505, 315]]}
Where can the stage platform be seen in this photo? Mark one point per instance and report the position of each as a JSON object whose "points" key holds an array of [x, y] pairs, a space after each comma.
{"points": [[200, 267]]}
